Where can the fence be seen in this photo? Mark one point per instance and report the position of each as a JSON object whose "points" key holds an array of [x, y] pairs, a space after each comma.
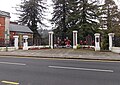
{"points": [[4, 43], [10, 43], [116, 41], [89, 40]]}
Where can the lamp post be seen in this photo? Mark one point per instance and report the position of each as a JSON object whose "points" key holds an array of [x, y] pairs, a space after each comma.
{"points": [[6, 39]]}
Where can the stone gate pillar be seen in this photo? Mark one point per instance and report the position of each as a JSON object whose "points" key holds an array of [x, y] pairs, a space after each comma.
{"points": [[75, 39], [16, 41], [25, 42], [97, 42], [51, 42], [111, 35]]}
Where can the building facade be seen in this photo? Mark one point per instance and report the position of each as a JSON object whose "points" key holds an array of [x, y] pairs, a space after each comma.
{"points": [[20, 30], [4, 27], [9, 29]]}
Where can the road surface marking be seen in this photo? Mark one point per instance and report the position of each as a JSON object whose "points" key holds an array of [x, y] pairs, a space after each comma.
{"points": [[13, 63], [85, 69], [11, 83]]}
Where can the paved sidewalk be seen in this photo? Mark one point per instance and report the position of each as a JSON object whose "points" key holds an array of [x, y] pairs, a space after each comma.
{"points": [[64, 53]]}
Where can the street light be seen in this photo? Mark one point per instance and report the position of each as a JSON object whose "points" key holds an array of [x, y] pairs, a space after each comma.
{"points": [[6, 39]]}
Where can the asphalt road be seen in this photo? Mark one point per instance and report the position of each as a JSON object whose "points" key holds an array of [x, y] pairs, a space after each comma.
{"points": [[24, 71]]}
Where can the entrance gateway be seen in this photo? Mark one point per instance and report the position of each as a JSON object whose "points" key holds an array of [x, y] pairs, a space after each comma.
{"points": [[74, 42]]}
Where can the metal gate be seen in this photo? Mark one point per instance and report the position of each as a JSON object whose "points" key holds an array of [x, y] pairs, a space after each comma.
{"points": [[116, 41], [87, 42]]}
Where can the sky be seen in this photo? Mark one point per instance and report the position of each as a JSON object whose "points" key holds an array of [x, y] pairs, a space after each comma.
{"points": [[8, 6]]}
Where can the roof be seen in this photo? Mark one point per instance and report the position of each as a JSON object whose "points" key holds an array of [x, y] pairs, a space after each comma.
{"points": [[19, 28], [3, 13]]}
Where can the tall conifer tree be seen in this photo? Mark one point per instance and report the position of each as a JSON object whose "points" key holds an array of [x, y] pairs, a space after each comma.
{"points": [[80, 15], [32, 15], [88, 22], [59, 17], [109, 21], [109, 18]]}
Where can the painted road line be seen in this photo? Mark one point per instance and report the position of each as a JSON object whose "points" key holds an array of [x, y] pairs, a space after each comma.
{"points": [[84, 69], [11, 63], [11, 83]]}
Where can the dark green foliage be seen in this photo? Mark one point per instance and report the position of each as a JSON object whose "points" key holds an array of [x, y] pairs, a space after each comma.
{"points": [[59, 17], [109, 15], [104, 40], [88, 17], [32, 15], [79, 15], [109, 20]]}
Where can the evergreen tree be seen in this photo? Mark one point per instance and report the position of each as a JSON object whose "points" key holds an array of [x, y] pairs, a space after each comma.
{"points": [[79, 15], [110, 17], [59, 17], [73, 16], [89, 13], [109, 21], [32, 15]]}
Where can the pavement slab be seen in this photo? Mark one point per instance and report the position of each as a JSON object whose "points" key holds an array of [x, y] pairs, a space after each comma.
{"points": [[64, 53]]}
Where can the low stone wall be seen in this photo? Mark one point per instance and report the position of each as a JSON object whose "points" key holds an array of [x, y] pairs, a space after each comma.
{"points": [[115, 49], [9, 48]]}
